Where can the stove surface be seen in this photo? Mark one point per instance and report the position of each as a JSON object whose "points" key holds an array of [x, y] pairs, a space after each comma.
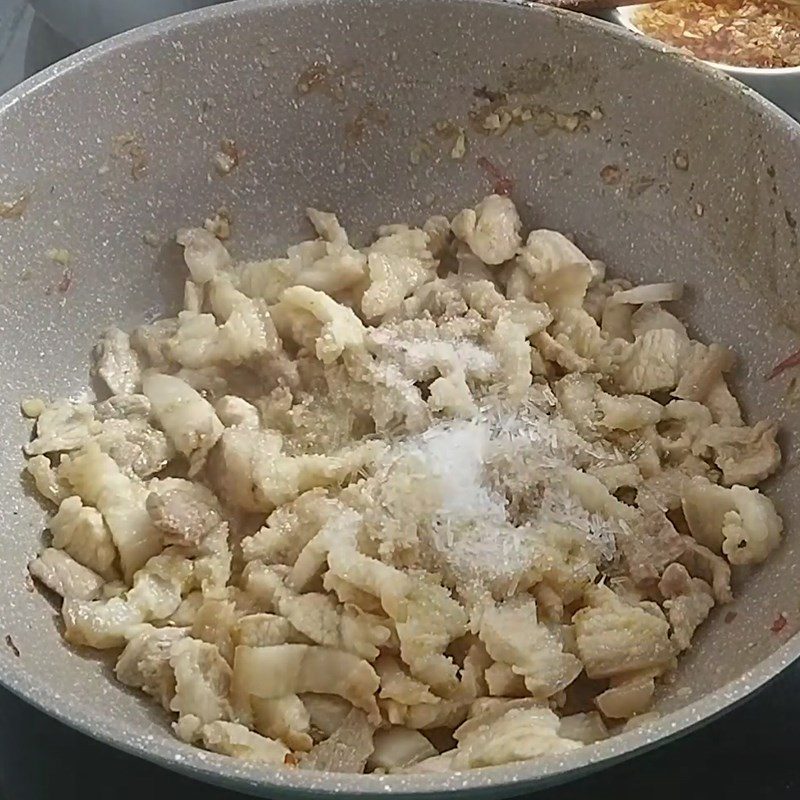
{"points": [[751, 752], [27, 44]]}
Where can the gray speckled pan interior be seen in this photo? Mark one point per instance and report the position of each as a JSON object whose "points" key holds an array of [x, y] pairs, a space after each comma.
{"points": [[726, 226]]}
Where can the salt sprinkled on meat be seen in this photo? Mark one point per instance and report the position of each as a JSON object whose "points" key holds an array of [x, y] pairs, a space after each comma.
{"points": [[416, 355], [455, 453], [482, 467]]}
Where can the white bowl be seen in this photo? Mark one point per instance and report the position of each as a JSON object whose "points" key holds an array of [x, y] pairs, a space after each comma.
{"points": [[780, 85]]}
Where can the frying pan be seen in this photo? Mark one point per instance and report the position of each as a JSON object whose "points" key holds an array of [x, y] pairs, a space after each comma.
{"points": [[706, 190]]}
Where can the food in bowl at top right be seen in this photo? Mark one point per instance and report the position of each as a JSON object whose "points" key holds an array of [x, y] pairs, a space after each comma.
{"points": [[739, 33]]}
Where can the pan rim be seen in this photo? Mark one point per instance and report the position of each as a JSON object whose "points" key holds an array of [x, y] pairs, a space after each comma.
{"points": [[220, 770]]}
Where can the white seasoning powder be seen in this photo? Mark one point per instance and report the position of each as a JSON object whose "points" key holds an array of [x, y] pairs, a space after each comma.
{"points": [[480, 463], [455, 454], [418, 355]]}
